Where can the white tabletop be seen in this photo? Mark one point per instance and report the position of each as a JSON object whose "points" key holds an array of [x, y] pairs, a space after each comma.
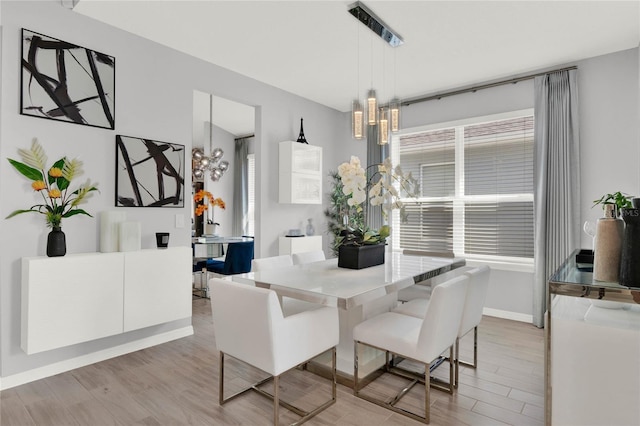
{"points": [[323, 282]]}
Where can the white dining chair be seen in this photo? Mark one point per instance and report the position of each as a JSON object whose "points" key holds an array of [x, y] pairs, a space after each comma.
{"points": [[308, 257], [421, 340], [290, 306], [248, 325], [471, 317], [272, 262], [420, 290]]}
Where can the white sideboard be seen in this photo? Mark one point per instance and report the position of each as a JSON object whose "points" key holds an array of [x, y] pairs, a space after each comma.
{"points": [[82, 297], [300, 180], [290, 245]]}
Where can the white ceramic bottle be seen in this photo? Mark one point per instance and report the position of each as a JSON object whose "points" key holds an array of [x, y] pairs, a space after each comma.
{"points": [[608, 245]]}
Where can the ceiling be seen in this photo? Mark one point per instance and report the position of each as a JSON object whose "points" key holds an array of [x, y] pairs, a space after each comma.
{"points": [[317, 50]]}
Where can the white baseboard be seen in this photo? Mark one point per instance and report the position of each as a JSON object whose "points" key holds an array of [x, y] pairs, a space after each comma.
{"points": [[81, 361], [515, 316]]}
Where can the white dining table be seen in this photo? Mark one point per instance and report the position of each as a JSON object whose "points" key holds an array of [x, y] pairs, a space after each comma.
{"points": [[359, 294]]}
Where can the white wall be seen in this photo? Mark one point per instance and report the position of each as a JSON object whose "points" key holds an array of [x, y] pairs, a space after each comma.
{"points": [[223, 188], [609, 129], [609, 136], [154, 91]]}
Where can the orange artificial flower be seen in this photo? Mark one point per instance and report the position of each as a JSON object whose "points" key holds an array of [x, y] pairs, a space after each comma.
{"points": [[54, 193], [55, 172], [38, 185], [207, 198], [199, 196]]}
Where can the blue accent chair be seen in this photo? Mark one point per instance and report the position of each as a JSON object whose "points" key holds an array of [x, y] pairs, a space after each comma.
{"points": [[237, 260]]}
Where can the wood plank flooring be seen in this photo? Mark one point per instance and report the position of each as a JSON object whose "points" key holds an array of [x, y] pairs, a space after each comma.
{"points": [[177, 384]]}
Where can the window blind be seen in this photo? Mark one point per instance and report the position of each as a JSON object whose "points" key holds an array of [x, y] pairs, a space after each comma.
{"points": [[476, 193]]}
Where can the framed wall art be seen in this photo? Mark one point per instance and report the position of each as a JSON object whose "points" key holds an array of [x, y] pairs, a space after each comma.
{"points": [[149, 173], [65, 82]]}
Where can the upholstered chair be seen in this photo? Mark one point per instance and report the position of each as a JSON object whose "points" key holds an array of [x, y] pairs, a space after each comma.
{"points": [[249, 326], [271, 262], [421, 340], [290, 306], [420, 290], [237, 260], [471, 317], [308, 257]]}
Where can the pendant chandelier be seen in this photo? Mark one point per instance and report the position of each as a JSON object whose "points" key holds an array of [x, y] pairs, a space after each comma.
{"points": [[201, 163], [385, 116]]}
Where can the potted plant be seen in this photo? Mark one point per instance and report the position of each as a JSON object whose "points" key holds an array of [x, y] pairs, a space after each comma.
{"points": [[618, 199], [204, 200], [52, 184], [359, 246]]}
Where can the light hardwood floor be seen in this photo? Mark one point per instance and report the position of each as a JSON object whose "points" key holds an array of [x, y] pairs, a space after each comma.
{"points": [[177, 384]]}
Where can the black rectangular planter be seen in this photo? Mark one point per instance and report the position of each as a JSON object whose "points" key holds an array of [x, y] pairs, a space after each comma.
{"points": [[359, 257]]}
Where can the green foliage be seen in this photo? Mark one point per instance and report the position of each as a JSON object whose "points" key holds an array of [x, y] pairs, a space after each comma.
{"points": [[52, 185], [28, 172], [620, 199], [338, 210]]}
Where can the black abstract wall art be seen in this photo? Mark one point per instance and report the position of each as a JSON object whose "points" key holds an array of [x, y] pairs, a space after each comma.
{"points": [[65, 82], [149, 173]]}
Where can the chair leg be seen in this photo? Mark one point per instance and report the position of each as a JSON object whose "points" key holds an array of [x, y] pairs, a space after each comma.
{"points": [[427, 393], [452, 364], [221, 380], [276, 400], [457, 363], [355, 368], [334, 378], [475, 347], [475, 351]]}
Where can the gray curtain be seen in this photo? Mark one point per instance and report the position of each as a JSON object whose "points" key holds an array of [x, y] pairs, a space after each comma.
{"points": [[240, 187], [557, 179]]}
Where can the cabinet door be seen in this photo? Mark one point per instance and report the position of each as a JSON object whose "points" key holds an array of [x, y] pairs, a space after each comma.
{"points": [[157, 287], [71, 299], [306, 159], [300, 173]]}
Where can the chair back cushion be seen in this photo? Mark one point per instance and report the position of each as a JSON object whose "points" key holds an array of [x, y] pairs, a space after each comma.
{"points": [[238, 258], [308, 257], [442, 320], [244, 318], [476, 296], [273, 262]]}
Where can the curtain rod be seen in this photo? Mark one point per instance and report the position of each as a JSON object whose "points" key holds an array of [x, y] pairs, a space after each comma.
{"points": [[482, 86], [245, 137]]}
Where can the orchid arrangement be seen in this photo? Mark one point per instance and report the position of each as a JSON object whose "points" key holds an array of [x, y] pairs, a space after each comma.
{"points": [[385, 192], [207, 200], [53, 185]]}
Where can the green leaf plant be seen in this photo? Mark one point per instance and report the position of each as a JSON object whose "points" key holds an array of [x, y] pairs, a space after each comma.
{"points": [[52, 185]]}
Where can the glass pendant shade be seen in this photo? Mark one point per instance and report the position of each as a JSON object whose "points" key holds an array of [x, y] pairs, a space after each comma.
{"points": [[383, 127], [372, 108], [357, 120], [394, 115]]}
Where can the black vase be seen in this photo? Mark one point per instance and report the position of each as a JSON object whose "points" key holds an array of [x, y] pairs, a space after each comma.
{"points": [[56, 243], [630, 259]]}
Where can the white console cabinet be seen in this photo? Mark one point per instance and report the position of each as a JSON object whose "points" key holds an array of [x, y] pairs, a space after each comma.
{"points": [[82, 297], [300, 173]]}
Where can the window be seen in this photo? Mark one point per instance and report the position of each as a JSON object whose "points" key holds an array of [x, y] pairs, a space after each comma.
{"points": [[251, 194], [476, 188]]}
